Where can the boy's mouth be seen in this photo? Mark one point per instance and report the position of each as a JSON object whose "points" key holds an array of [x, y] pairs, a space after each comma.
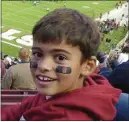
{"points": [[45, 78]]}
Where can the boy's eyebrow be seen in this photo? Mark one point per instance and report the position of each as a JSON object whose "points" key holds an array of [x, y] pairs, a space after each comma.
{"points": [[60, 50], [53, 50], [36, 48]]}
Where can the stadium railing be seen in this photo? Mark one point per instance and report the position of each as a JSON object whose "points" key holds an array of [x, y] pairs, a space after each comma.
{"points": [[13, 98], [18, 91]]}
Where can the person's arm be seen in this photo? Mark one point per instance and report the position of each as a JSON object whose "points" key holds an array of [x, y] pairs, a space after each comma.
{"points": [[7, 79]]}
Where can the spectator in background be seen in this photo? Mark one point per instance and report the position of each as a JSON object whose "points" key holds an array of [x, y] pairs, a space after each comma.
{"points": [[103, 64], [126, 48], [19, 76], [124, 55], [100, 16], [125, 27], [8, 62], [35, 3], [3, 70], [113, 58], [15, 61], [101, 57], [24, 55], [1, 54], [119, 78]]}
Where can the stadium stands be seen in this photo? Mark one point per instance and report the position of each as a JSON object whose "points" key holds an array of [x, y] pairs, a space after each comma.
{"points": [[6, 104], [18, 92], [13, 97]]}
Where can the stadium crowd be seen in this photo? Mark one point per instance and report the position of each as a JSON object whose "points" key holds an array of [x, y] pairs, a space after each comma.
{"points": [[109, 25], [106, 74], [14, 72]]}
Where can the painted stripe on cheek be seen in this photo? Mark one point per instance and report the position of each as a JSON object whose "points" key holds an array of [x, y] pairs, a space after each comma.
{"points": [[63, 69], [33, 64]]}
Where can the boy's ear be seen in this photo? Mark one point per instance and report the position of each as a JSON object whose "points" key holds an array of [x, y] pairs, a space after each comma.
{"points": [[89, 66]]}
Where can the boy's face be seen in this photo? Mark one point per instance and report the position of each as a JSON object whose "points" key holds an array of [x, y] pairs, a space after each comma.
{"points": [[48, 57]]}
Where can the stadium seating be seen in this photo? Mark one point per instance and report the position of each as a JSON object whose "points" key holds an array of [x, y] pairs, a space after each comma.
{"points": [[6, 104], [18, 92], [13, 98]]}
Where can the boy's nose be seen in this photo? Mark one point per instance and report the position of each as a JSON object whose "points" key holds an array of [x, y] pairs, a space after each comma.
{"points": [[45, 64]]}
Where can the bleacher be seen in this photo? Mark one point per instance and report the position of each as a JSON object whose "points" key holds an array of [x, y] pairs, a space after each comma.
{"points": [[13, 97], [18, 92]]}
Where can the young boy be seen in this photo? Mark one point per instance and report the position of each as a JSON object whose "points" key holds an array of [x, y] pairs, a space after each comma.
{"points": [[62, 65]]}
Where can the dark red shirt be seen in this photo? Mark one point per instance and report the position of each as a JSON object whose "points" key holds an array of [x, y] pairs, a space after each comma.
{"points": [[95, 101]]}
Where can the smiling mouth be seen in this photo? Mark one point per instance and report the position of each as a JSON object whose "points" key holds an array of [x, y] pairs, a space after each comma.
{"points": [[45, 78]]}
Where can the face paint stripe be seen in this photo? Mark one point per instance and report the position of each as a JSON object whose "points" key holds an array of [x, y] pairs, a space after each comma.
{"points": [[33, 64], [59, 69], [63, 69]]}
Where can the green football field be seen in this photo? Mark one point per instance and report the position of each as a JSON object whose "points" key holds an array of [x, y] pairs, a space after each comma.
{"points": [[22, 16]]}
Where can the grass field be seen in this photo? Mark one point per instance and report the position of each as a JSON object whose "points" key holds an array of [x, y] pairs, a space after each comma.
{"points": [[22, 16], [115, 36]]}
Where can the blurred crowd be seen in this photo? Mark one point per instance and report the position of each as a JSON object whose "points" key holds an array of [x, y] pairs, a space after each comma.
{"points": [[115, 66], [109, 25], [15, 72]]}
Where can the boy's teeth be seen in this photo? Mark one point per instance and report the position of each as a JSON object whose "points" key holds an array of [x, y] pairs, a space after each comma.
{"points": [[40, 77], [45, 78]]}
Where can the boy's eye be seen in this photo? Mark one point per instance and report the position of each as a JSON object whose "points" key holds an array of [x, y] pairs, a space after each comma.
{"points": [[37, 54], [60, 57]]}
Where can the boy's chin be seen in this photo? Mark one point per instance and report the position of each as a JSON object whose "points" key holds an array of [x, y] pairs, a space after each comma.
{"points": [[47, 91]]}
